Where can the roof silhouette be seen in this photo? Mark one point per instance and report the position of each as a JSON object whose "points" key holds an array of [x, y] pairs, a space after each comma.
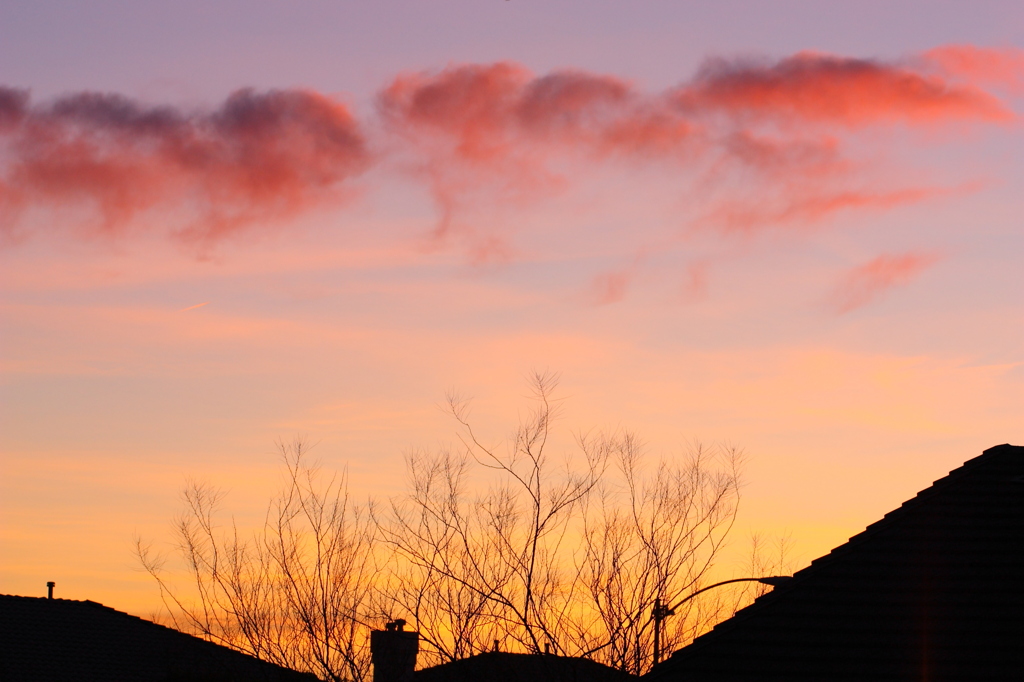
{"points": [[500, 666], [54, 640], [933, 591]]}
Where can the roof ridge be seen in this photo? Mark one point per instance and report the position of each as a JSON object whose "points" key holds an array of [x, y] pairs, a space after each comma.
{"points": [[125, 614], [161, 645], [94, 604], [837, 553]]}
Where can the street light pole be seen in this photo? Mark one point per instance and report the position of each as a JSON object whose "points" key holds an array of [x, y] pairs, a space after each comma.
{"points": [[661, 611]]}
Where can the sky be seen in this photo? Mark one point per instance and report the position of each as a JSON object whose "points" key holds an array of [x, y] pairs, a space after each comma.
{"points": [[792, 227]]}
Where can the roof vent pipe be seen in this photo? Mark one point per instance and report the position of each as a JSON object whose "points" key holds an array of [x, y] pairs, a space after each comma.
{"points": [[49, 589]]}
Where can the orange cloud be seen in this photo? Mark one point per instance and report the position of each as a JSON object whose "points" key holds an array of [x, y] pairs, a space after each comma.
{"points": [[812, 87], [1003, 67], [867, 282], [485, 112], [258, 157], [497, 133], [805, 208], [777, 134], [487, 134]]}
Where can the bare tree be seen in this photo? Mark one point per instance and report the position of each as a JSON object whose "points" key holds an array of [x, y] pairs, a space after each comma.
{"points": [[567, 557], [292, 592], [503, 544], [474, 569], [655, 536], [434, 575]]}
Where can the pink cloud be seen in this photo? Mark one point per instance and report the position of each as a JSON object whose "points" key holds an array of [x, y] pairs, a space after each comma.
{"points": [[483, 114], [757, 144], [498, 134], [259, 157], [822, 88], [1002, 67], [867, 282], [807, 206], [487, 134]]}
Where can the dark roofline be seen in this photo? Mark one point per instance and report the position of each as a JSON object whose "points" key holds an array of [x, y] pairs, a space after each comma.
{"points": [[125, 614], [213, 648], [838, 553], [507, 665]]}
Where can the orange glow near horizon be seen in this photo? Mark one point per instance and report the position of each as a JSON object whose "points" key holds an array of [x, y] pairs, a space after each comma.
{"points": [[812, 256]]}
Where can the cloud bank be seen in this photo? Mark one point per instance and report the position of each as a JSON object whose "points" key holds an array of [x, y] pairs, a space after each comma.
{"points": [[767, 141], [755, 144]]}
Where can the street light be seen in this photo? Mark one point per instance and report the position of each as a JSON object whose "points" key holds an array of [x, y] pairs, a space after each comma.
{"points": [[661, 612]]}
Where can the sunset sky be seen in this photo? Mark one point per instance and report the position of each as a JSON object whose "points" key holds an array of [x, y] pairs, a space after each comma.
{"points": [[793, 227]]}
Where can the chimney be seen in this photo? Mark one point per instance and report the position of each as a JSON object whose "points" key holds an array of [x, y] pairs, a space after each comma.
{"points": [[49, 589], [394, 652]]}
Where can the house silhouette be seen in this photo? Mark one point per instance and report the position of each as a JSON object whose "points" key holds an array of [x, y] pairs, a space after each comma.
{"points": [[500, 666], [58, 640], [394, 653], [933, 591]]}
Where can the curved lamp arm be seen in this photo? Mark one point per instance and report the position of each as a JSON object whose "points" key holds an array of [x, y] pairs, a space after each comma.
{"points": [[773, 580], [660, 613]]}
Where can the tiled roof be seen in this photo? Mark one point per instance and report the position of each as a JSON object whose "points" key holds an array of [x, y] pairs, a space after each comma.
{"points": [[499, 666], [53, 640], [933, 591]]}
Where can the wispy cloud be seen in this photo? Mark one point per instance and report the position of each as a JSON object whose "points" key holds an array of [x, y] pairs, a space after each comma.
{"points": [[808, 205], [984, 66], [193, 307], [869, 281]]}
